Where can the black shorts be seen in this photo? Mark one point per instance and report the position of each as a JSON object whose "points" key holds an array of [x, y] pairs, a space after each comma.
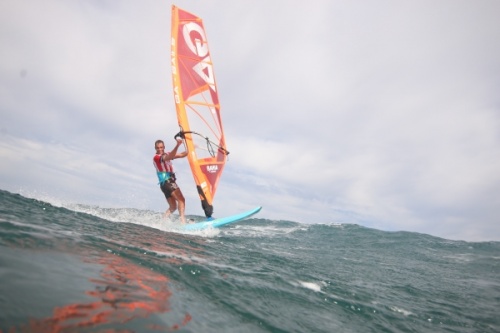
{"points": [[168, 187]]}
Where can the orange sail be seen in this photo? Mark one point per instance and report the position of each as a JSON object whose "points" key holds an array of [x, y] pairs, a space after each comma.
{"points": [[197, 104]]}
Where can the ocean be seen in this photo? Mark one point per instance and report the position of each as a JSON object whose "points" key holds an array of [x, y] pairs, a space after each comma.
{"points": [[81, 268]]}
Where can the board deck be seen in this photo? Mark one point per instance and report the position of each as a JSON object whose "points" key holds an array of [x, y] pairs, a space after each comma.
{"points": [[219, 222]]}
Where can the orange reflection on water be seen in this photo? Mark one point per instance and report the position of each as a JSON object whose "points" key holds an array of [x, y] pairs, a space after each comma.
{"points": [[123, 293]]}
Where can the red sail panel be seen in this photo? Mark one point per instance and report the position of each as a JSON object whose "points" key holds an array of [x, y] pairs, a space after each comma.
{"points": [[197, 103]]}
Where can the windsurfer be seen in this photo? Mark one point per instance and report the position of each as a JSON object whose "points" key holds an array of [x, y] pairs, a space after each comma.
{"points": [[165, 171]]}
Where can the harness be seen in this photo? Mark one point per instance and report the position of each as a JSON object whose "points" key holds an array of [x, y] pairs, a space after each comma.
{"points": [[164, 176]]}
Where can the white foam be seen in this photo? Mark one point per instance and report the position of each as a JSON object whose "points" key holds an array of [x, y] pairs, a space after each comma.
{"points": [[311, 285], [399, 310]]}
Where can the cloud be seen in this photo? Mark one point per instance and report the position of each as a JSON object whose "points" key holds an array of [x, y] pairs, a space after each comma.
{"points": [[383, 114]]}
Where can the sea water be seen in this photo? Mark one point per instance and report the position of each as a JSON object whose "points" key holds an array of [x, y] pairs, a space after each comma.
{"points": [[78, 268]]}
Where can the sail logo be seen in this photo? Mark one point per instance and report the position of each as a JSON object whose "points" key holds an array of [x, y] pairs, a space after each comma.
{"points": [[199, 46], [212, 168]]}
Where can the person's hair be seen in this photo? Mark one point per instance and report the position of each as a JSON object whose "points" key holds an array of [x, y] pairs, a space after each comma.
{"points": [[157, 142]]}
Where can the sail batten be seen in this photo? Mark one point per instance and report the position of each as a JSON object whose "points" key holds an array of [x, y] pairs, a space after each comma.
{"points": [[197, 104]]}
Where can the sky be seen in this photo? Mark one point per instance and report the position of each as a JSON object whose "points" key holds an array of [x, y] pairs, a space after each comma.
{"points": [[384, 114]]}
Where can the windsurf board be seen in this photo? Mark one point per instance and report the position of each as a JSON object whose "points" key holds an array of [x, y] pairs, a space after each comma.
{"points": [[219, 222]]}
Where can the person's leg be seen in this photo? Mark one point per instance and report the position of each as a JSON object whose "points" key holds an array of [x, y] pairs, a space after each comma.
{"points": [[181, 202], [172, 206], [167, 190]]}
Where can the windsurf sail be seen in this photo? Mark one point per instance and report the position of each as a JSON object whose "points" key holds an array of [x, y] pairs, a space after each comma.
{"points": [[197, 104]]}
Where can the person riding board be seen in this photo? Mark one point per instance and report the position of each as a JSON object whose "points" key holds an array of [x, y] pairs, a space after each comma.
{"points": [[165, 171]]}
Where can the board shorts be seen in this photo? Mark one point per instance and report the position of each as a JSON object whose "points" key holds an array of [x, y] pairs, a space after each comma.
{"points": [[168, 187]]}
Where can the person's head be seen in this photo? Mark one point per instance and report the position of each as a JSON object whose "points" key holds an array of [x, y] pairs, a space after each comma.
{"points": [[159, 146]]}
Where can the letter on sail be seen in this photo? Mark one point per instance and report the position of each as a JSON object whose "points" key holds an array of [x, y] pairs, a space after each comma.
{"points": [[197, 104]]}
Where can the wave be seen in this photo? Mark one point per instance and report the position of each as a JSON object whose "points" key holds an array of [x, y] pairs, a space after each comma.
{"points": [[77, 267]]}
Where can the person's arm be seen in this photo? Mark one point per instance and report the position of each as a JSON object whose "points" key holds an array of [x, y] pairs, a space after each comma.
{"points": [[173, 154], [181, 155]]}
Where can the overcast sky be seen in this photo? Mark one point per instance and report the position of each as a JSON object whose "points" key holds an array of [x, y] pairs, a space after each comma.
{"points": [[380, 113]]}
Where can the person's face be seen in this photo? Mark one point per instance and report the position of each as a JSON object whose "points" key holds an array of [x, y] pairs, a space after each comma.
{"points": [[160, 148]]}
